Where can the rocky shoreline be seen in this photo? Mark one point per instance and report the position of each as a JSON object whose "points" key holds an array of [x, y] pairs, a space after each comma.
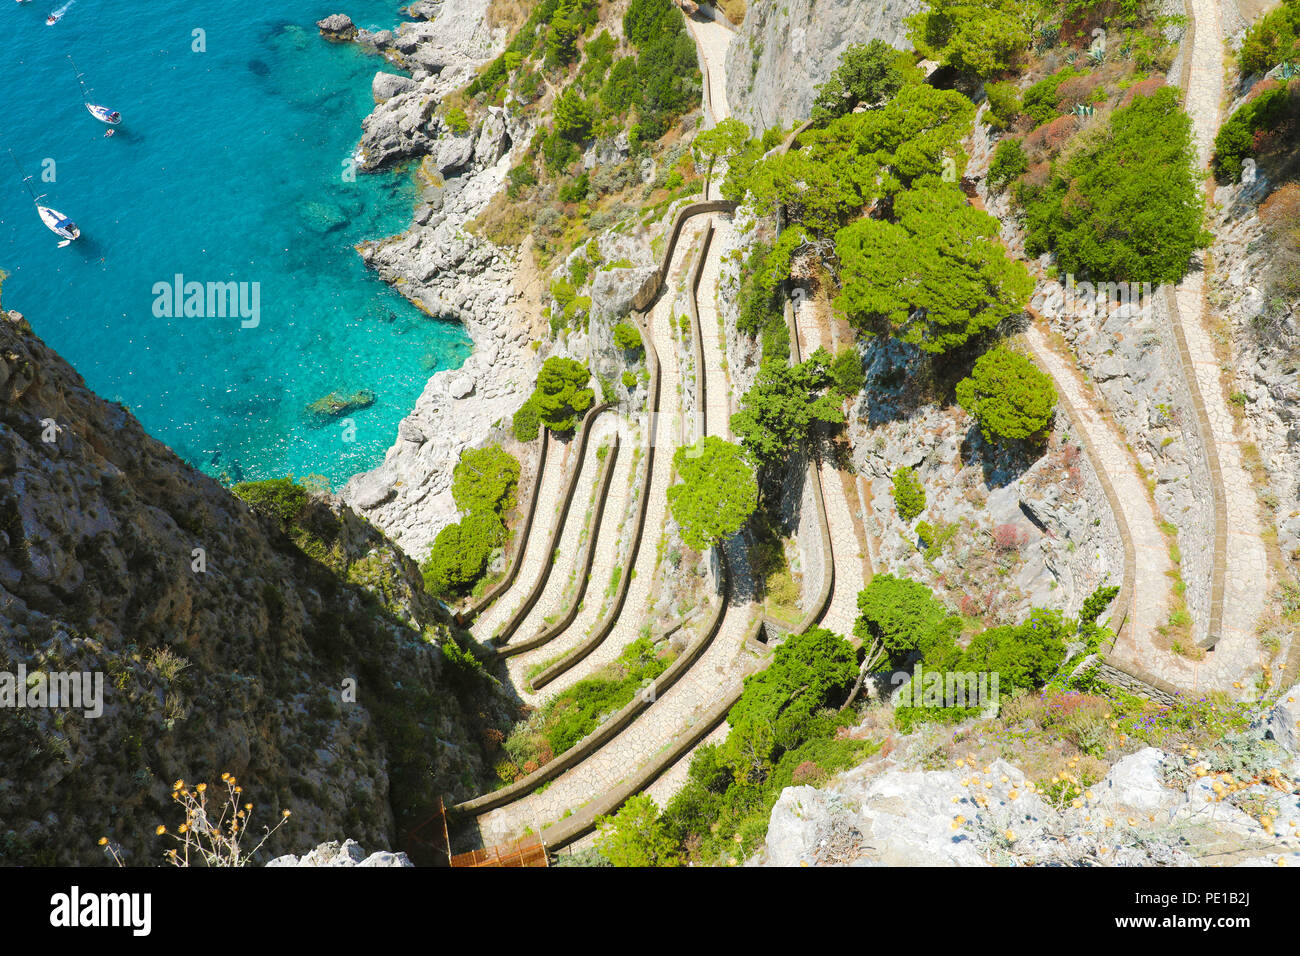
{"points": [[438, 265]]}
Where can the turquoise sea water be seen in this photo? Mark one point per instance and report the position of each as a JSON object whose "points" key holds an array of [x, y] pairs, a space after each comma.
{"points": [[228, 167]]}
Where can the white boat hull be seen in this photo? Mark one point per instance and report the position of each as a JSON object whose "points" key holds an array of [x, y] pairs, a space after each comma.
{"points": [[59, 224], [104, 114]]}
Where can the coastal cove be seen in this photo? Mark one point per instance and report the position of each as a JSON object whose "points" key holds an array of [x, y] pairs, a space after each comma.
{"points": [[230, 167]]}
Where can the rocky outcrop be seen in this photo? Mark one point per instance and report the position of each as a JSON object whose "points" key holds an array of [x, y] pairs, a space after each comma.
{"points": [[1143, 813], [784, 50], [349, 853], [300, 653], [337, 27]]}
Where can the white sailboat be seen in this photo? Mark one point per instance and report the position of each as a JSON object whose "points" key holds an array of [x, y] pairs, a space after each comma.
{"points": [[102, 113], [55, 221]]}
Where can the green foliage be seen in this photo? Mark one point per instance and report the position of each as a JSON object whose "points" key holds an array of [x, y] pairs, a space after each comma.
{"points": [[636, 836], [1272, 111], [1125, 206], [1024, 656], [867, 73], [906, 617], [717, 493], [560, 396], [278, 498], [847, 373], [809, 672], [934, 276], [1009, 397], [572, 116], [527, 422], [460, 553], [857, 158], [760, 306], [1041, 102], [629, 380], [627, 338], [909, 493], [457, 121], [485, 479], [1004, 104], [723, 141], [1009, 162], [981, 37], [647, 20], [1271, 40], [780, 409]]}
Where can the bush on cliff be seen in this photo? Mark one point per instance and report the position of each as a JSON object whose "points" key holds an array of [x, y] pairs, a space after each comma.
{"points": [[557, 401], [1009, 396], [1271, 40], [867, 73], [980, 37], [934, 276], [485, 479], [1125, 206], [460, 553], [780, 410], [717, 492], [909, 493]]}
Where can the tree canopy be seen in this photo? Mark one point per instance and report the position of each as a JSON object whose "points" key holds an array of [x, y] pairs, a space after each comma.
{"points": [[867, 73], [779, 411], [1125, 207], [809, 672], [717, 494], [979, 37], [1009, 396], [485, 479], [934, 276], [905, 616], [560, 396], [460, 553]]}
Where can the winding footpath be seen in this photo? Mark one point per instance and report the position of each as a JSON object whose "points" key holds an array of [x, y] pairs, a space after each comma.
{"points": [[1241, 561], [849, 557]]}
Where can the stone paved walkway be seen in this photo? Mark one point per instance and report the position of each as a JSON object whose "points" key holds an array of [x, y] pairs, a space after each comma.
{"points": [[535, 552], [612, 542], [561, 585], [1246, 586], [1151, 565]]}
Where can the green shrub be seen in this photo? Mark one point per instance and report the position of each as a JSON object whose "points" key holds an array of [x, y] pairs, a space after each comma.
{"points": [[485, 479], [717, 492], [909, 493], [1009, 162], [906, 617], [1004, 104], [629, 380], [1009, 396], [559, 398], [1271, 40], [867, 73], [460, 553], [1125, 207], [626, 337], [278, 498], [780, 410], [1041, 102], [980, 37], [457, 121], [527, 422], [1271, 112]]}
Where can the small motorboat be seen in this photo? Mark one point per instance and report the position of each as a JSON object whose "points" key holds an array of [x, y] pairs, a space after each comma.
{"points": [[57, 15]]}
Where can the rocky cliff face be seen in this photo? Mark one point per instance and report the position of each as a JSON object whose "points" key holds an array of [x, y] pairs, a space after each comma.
{"points": [[784, 50], [222, 645], [1152, 808]]}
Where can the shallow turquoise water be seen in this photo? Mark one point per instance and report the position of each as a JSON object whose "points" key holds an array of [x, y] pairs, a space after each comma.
{"points": [[228, 167]]}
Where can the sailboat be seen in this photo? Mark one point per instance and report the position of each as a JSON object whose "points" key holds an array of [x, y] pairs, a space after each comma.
{"points": [[55, 221], [102, 113], [57, 15]]}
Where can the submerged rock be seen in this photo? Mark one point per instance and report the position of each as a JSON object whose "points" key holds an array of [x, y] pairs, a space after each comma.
{"points": [[336, 403]]}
